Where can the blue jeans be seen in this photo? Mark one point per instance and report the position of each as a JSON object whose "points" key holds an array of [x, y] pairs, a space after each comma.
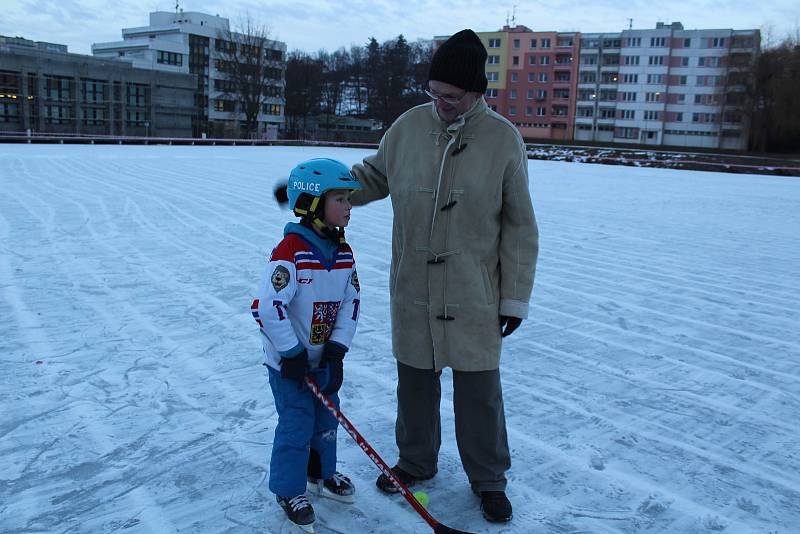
{"points": [[303, 423]]}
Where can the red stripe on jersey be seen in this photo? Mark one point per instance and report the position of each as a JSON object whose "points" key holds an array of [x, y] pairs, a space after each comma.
{"points": [[308, 266]]}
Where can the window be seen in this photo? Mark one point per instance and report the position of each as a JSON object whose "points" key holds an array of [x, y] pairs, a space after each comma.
{"points": [[57, 88], [655, 78], [542, 76], [9, 112], [627, 114], [492, 76], [658, 42], [136, 95], [588, 77], [559, 111], [270, 109], [491, 93], [687, 43], [608, 95], [628, 97], [652, 97], [541, 111], [609, 77], [685, 61], [718, 42], [590, 43], [678, 117], [515, 60], [93, 91], [493, 60], [531, 77], [529, 94], [612, 43], [626, 133], [652, 115], [93, 116], [610, 59], [680, 98], [631, 60], [541, 94], [512, 110], [494, 43], [528, 111], [656, 60], [630, 78], [221, 104], [586, 94], [531, 60], [533, 43], [633, 41], [683, 80], [589, 59], [712, 61], [565, 41], [562, 76], [585, 112], [561, 93], [514, 76], [607, 113], [544, 60], [169, 58], [516, 43], [513, 94], [545, 43], [54, 114]]}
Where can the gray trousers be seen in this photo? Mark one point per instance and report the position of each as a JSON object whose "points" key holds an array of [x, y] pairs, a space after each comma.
{"points": [[479, 419]]}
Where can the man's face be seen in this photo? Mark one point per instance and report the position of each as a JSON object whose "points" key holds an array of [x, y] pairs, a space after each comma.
{"points": [[449, 111]]}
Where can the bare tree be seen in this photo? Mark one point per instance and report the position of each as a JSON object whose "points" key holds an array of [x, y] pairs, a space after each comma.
{"points": [[251, 67]]}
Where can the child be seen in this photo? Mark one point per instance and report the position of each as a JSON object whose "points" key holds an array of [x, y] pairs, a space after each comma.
{"points": [[307, 308]]}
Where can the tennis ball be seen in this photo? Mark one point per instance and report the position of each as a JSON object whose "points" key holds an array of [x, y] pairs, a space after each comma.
{"points": [[422, 497]]}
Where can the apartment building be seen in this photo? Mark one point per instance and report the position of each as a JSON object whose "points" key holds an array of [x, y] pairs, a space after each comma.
{"points": [[534, 77], [45, 89], [666, 86], [192, 42]]}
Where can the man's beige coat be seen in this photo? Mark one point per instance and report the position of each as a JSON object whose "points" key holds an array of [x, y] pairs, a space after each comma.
{"points": [[464, 237]]}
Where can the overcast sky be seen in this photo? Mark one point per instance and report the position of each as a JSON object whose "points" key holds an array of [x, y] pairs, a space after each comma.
{"points": [[311, 25]]}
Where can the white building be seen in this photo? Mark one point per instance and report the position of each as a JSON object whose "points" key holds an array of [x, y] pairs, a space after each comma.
{"points": [[666, 86], [190, 42]]}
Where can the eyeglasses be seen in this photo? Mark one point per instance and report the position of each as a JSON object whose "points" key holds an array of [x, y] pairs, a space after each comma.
{"points": [[446, 99]]}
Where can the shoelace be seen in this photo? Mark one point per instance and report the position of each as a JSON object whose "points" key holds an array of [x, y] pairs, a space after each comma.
{"points": [[299, 502], [340, 480]]}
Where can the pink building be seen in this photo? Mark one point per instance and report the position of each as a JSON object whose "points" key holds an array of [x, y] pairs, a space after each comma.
{"points": [[539, 90]]}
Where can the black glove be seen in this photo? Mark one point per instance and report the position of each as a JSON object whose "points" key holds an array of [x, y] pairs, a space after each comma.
{"points": [[281, 194], [295, 368], [333, 361], [508, 324]]}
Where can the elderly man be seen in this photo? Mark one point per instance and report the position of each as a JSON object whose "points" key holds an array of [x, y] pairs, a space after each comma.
{"points": [[464, 248]]}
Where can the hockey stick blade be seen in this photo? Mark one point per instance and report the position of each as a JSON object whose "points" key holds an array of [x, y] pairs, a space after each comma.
{"points": [[442, 529], [437, 527]]}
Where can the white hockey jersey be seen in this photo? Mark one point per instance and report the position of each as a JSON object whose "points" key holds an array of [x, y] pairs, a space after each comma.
{"points": [[305, 300]]}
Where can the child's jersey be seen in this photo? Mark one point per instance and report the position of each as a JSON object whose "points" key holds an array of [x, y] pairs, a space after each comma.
{"points": [[306, 300]]}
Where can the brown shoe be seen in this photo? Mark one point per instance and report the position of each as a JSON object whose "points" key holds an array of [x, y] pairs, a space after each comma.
{"points": [[386, 485]]}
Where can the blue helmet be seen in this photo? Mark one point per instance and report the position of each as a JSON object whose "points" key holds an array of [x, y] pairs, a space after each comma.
{"points": [[310, 180]]}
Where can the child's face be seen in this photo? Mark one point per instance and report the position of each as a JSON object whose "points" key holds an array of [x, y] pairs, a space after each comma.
{"points": [[337, 208]]}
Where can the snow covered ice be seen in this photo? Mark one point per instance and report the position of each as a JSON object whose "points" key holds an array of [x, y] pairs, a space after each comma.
{"points": [[655, 387]]}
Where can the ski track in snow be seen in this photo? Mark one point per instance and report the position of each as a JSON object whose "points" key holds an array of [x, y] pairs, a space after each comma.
{"points": [[654, 388]]}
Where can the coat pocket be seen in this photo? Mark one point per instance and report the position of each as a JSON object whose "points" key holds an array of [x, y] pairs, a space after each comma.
{"points": [[488, 284]]}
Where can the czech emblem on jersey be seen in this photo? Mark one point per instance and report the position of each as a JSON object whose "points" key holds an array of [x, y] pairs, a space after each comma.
{"points": [[280, 278], [322, 321], [354, 281]]}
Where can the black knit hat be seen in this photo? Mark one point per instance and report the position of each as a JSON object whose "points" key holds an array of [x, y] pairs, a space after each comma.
{"points": [[461, 61]]}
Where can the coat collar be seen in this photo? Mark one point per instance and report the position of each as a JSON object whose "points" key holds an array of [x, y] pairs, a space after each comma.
{"points": [[477, 110]]}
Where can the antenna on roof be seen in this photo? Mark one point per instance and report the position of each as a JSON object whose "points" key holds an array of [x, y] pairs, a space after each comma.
{"points": [[177, 6], [514, 16], [506, 17], [630, 24]]}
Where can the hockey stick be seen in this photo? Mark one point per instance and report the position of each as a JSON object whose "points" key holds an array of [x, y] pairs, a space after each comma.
{"points": [[437, 527]]}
